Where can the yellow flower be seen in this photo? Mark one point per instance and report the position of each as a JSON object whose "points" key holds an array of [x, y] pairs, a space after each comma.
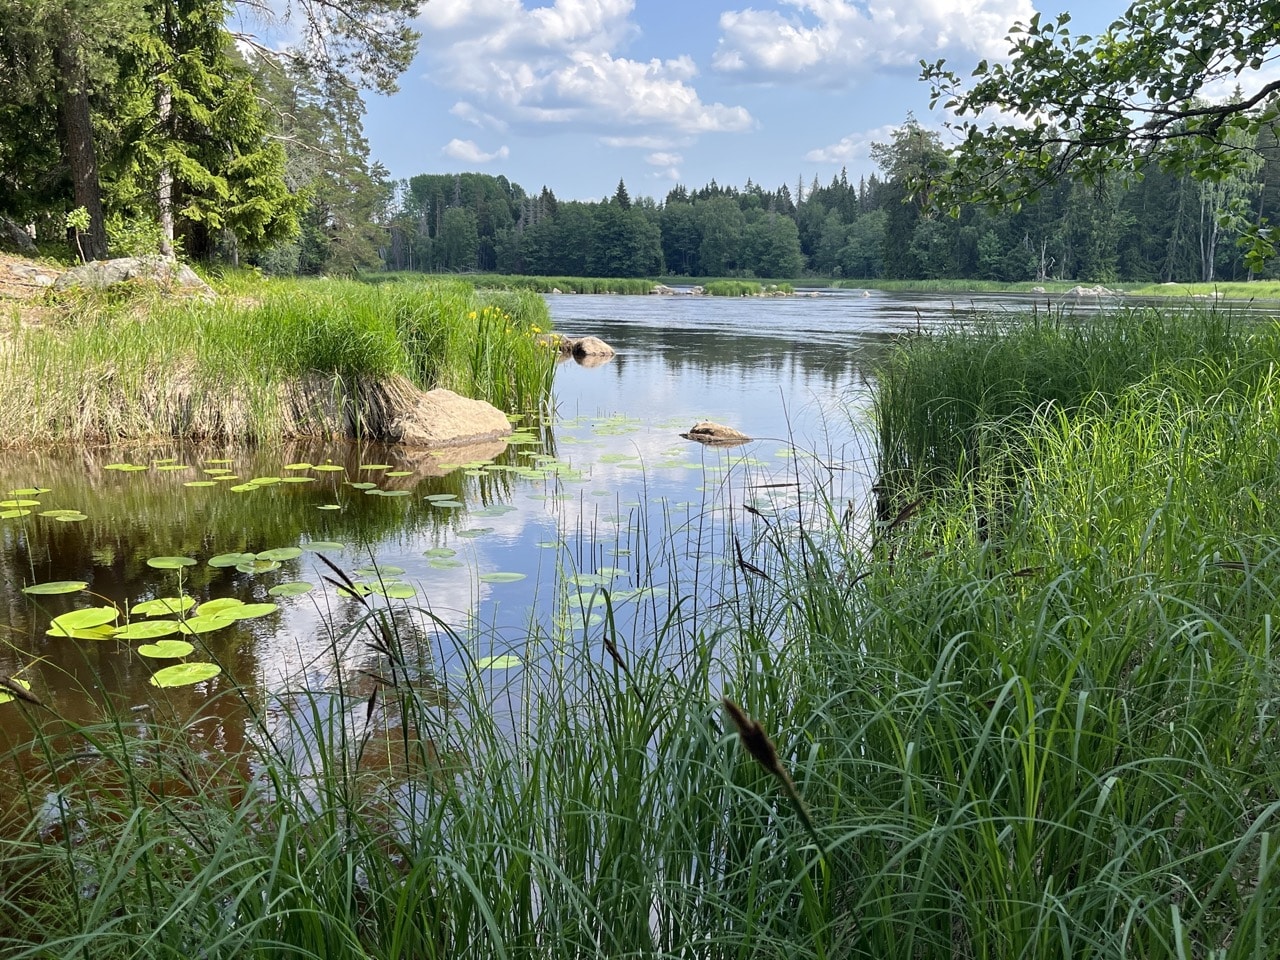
{"points": [[471, 315], [535, 328]]}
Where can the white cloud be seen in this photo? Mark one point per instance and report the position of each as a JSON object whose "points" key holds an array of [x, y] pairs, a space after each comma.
{"points": [[469, 152], [668, 165], [831, 42], [647, 142], [468, 112], [558, 64], [856, 146]]}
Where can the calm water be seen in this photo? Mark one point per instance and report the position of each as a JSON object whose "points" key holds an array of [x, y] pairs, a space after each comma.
{"points": [[606, 495]]}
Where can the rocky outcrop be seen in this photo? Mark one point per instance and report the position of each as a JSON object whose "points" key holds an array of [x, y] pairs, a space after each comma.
{"points": [[441, 418], [13, 239], [1095, 291], [715, 434], [99, 274], [584, 348]]}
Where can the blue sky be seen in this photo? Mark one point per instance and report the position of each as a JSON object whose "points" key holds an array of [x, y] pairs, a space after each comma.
{"points": [[575, 94]]}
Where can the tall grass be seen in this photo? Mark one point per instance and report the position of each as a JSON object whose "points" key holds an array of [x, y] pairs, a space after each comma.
{"points": [[116, 369], [510, 282]]}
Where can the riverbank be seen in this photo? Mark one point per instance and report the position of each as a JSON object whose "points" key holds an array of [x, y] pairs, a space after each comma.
{"points": [[1031, 715], [265, 360]]}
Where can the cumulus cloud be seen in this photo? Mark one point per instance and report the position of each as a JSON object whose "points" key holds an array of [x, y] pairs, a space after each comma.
{"points": [[557, 64], [668, 165], [469, 152], [831, 42], [855, 146], [468, 112]]}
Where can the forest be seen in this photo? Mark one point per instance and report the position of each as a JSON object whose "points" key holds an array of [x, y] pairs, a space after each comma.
{"points": [[164, 131]]}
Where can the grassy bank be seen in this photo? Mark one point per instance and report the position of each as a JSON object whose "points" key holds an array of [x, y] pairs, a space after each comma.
{"points": [[1054, 738], [291, 359]]}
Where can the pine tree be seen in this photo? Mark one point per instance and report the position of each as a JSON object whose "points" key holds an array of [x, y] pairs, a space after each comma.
{"points": [[620, 196]]}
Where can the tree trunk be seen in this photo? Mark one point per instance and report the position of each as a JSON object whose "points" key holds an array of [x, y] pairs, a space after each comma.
{"points": [[164, 178], [78, 146]]}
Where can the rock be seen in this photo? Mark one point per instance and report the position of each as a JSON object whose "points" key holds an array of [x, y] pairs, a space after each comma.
{"points": [[715, 434], [1079, 290], [1039, 290], [105, 273], [441, 418], [557, 290], [698, 291], [866, 293], [589, 347], [662, 290], [13, 239]]}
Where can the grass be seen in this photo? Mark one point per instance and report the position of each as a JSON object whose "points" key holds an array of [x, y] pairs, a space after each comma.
{"points": [[1050, 738], [286, 361]]}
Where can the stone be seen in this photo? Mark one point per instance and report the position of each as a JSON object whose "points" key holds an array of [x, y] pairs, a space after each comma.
{"points": [[99, 274], [590, 347], [1079, 290], [442, 418], [13, 239], [715, 434]]}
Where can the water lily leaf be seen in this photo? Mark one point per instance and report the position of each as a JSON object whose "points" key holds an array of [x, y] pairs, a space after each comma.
{"points": [[264, 481], [440, 497], [387, 571], [164, 460], [166, 649], [588, 580], [19, 503], [447, 504], [231, 559], [316, 546], [395, 591], [133, 467], [389, 493], [297, 479], [296, 466], [504, 662], [54, 587], [163, 605], [66, 516], [549, 544], [245, 487], [201, 483], [399, 473], [444, 563], [441, 552], [221, 460], [475, 532], [329, 506], [91, 633], [375, 466], [355, 590], [329, 468], [170, 563], [13, 514], [216, 471], [500, 577], [29, 491], [147, 630], [5, 696], [281, 553], [258, 566], [84, 619], [184, 674], [249, 611], [226, 477], [174, 466], [362, 485], [205, 623], [293, 588], [218, 606], [495, 510]]}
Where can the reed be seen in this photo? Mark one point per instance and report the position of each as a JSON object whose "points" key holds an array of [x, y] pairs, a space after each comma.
{"points": [[284, 363]]}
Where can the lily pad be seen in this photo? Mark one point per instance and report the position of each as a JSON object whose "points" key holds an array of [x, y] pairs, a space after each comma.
{"points": [[297, 479], [173, 466], [329, 468], [296, 466], [389, 493], [170, 563], [245, 487], [249, 611], [258, 566], [205, 623], [163, 605], [84, 619], [29, 491], [5, 696], [446, 504], [19, 503], [293, 588], [445, 563], [264, 481], [440, 497], [231, 559], [281, 553], [504, 662], [54, 587], [500, 577], [91, 633], [315, 546], [355, 590], [441, 552], [201, 483], [399, 473], [475, 532], [363, 485], [147, 630], [14, 514], [219, 606], [376, 466], [395, 591], [329, 506], [184, 674], [380, 571], [166, 649], [220, 460]]}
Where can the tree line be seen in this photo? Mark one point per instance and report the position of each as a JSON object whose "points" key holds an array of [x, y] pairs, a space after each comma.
{"points": [[132, 126]]}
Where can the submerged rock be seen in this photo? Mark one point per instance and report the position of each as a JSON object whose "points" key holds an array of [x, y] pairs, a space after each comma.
{"points": [[105, 273], [715, 434]]}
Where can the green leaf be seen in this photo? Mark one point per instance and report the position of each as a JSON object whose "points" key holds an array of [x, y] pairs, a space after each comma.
{"points": [[54, 587], [231, 559], [147, 630], [218, 606], [379, 571], [170, 563], [5, 696], [316, 546], [163, 605], [293, 588], [249, 611], [166, 649], [205, 623], [505, 662], [502, 577], [281, 553], [84, 619], [184, 674]]}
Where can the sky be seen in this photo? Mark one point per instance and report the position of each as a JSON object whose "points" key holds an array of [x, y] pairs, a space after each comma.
{"points": [[579, 94]]}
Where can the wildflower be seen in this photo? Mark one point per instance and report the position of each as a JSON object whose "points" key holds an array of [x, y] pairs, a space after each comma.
{"points": [[471, 315], [535, 328]]}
